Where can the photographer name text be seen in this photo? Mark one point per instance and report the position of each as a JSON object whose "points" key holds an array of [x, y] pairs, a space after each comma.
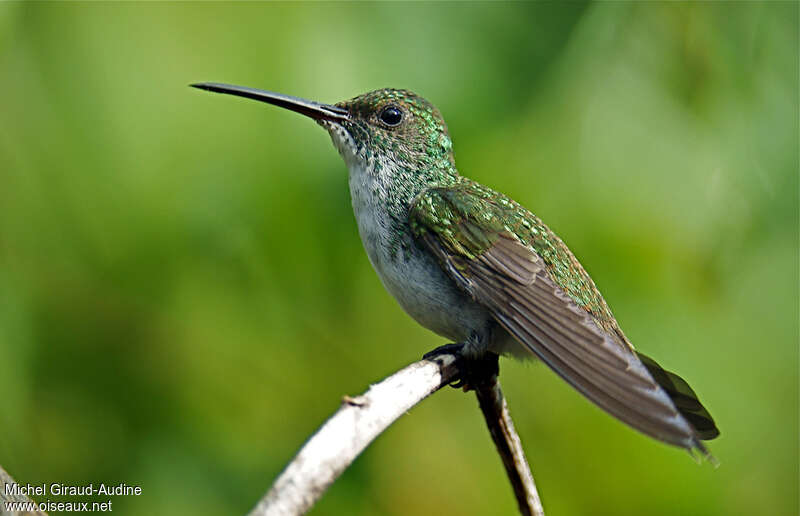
{"points": [[59, 489]]}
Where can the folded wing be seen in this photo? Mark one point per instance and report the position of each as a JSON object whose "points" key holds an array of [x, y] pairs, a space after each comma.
{"points": [[497, 269]]}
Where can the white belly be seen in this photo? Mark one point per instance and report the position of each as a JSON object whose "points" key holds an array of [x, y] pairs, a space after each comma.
{"points": [[411, 275], [422, 288], [428, 295]]}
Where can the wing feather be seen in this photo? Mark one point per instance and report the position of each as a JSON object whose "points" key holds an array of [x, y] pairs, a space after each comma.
{"points": [[575, 347], [507, 276]]}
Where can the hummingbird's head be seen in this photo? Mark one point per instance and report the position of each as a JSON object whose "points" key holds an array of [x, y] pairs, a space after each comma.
{"points": [[383, 129], [391, 125]]}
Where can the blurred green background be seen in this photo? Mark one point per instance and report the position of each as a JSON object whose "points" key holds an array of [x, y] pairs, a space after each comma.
{"points": [[184, 298]]}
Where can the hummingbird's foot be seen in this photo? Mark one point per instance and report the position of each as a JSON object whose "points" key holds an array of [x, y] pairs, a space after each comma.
{"points": [[473, 370], [447, 349], [455, 349]]}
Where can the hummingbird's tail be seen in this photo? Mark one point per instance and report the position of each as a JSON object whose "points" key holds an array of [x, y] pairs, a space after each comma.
{"points": [[686, 402]]}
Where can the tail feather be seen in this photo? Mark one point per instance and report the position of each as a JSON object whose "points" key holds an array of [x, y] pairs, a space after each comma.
{"points": [[684, 398]]}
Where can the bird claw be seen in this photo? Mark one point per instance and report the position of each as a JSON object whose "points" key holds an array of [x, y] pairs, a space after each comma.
{"points": [[458, 384], [447, 349], [456, 350], [471, 370]]}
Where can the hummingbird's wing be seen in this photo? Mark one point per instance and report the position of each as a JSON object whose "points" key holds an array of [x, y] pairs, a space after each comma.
{"points": [[487, 244]]}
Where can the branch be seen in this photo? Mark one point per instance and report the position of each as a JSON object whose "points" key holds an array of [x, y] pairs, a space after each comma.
{"points": [[345, 435], [5, 498], [360, 420]]}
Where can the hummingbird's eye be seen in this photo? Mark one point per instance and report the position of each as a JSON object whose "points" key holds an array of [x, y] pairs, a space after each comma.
{"points": [[391, 116]]}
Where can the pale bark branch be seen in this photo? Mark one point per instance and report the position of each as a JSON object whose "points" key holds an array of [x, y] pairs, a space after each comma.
{"points": [[360, 420], [342, 438], [5, 497]]}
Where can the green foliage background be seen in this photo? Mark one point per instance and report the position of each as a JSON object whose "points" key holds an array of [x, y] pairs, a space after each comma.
{"points": [[184, 297]]}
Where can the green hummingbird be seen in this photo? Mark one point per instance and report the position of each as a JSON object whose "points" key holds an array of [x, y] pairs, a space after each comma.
{"points": [[474, 266]]}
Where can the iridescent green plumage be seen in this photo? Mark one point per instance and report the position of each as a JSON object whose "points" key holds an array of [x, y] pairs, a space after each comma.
{"points": [[468, 217]]}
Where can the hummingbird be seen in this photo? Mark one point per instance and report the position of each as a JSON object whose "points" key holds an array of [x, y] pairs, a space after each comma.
{"points": [[475, 267]]}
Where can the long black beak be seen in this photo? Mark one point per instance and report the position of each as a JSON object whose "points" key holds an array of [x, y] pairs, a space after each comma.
{"points": [[309, 108]]}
